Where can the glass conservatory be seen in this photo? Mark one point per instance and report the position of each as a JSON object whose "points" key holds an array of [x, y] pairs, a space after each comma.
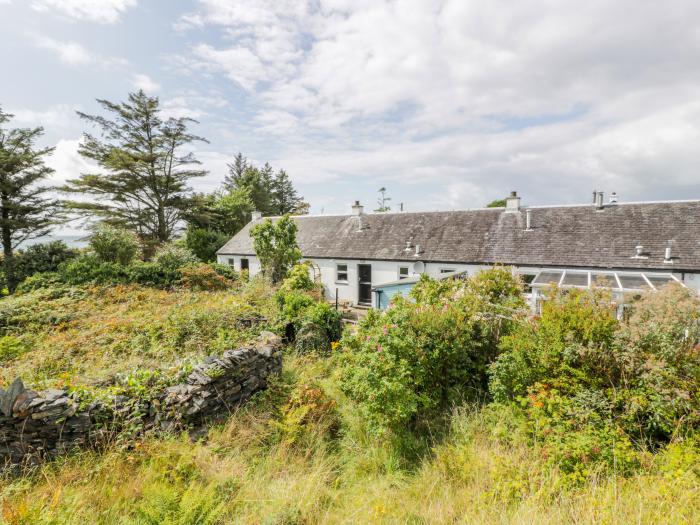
{"points": [[624, 285]]}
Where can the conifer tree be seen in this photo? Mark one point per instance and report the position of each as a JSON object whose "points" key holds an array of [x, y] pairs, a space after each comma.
{"points": [[26, 210], [143, 185], [236, 169]]}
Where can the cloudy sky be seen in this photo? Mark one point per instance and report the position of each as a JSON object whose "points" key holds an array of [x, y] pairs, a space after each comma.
{"points": [[447, 103]]}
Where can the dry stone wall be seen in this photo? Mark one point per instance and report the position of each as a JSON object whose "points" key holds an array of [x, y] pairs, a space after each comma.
{"points": [[35, 425]]}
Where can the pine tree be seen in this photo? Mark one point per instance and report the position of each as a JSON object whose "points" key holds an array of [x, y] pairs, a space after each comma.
{"points": [[144, 183], [284, 195], [26, 212], [236, 169], [383, 201]]}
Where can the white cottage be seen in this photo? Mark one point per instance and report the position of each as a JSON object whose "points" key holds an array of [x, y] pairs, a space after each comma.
{"points": [[631, 246]]}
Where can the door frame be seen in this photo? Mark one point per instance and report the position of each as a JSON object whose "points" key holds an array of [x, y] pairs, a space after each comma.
{"points": [[360, 282]]}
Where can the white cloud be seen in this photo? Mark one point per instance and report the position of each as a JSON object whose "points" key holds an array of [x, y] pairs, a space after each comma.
{"points": [[144, 82], [70, 53], [477, 98], [53, 117], [100, 11], [67, 162]]}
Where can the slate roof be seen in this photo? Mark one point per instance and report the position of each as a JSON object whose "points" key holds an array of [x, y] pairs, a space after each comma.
{"points": [[567, 236]]}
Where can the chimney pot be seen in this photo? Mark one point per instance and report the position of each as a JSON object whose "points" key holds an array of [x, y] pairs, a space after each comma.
{"points": [[599, 201]]}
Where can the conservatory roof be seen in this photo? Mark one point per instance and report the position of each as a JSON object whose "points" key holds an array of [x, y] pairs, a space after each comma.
{"points": [[618, 281]]}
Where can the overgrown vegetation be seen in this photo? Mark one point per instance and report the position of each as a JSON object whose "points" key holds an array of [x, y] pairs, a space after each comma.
{"points": [[457, 406]]}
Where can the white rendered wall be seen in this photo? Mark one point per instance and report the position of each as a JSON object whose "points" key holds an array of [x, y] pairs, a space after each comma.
{"points": [[387, 271]]}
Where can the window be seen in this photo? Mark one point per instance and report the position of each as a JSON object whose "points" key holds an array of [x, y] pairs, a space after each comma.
{"points": [[341, 273], [244, 264], [447, 270], [230, 262], [527, 279], [403, 272]]}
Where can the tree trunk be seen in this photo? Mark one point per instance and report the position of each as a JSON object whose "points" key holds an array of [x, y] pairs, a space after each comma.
{"points": [[162, 226], [8, 259]]}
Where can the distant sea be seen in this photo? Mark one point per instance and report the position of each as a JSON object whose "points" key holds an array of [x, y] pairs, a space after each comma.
{"points": [[73, 241]]}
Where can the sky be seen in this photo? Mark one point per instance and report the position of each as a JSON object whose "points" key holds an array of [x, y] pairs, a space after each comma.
{"points": [[448, 104]]}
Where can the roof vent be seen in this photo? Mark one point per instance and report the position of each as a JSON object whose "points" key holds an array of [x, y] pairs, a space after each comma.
{"points": [[668, 258], [256, 215], [418, 252], [528, 220], [639, 252], [512, 202], [599, 201], [357, 208], [408, 247], [613, 198]]}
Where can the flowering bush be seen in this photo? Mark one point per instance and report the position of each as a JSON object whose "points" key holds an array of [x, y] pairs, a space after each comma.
{"points": [[597, 390], [418, 357]]}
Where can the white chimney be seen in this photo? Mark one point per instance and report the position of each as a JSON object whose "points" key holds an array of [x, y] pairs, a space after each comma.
{"points": [[256, 215], [357, 208], [512, 202], [528, 220]]}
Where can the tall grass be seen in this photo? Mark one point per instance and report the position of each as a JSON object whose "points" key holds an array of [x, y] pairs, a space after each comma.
{"points": [[251, 471]]}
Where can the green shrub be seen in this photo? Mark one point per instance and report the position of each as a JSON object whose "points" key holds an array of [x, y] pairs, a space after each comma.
{"points": [[298, 278], [203, 277], [204, 243], [312, 338], [173, 257], [40, 258], [325, 316], [37, 281], [91, 269], [152, 274], [114, 245], [292, 306], [225, 270], [417, 357], [597, 390]]}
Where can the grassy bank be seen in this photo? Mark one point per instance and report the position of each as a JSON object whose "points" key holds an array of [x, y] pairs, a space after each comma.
{"points": [[300, 454], [55, 336]]}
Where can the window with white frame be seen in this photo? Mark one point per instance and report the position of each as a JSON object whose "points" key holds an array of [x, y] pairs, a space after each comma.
{"points": [[341, 273], [403, 272]]}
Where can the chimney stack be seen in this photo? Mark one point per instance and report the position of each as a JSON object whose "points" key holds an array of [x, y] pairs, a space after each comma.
{"points": [[357, 208], [599, 201], [256, 215], [595, 196], [513, 202]]}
